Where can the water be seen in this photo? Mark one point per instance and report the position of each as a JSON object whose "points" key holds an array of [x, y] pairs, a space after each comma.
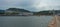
{"points": [[25, 21]]}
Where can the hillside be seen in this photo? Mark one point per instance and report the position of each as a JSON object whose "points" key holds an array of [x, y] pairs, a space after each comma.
{"points": [[48, 12], [2, 11], [18, 9]]}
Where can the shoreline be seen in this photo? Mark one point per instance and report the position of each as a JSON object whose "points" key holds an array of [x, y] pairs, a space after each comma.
{"points": [[26, 15]]}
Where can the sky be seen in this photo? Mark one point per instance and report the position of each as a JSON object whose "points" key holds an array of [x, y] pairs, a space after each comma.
{"points": [[31, 5]]}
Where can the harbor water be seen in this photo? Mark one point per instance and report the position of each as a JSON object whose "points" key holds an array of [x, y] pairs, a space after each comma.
{"points": [[25, 21]]}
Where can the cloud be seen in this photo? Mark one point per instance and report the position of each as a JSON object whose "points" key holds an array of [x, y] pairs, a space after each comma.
{"points": [[32, 5]]}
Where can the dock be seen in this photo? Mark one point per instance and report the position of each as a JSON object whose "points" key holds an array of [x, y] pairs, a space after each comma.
{"points": [[55, 22]]}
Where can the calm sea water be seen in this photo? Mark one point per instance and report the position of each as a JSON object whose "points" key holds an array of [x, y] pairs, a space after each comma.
{"points": [[25, 21]]}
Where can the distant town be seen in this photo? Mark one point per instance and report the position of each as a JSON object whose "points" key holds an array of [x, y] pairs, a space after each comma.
{"points": [[23, 12]]}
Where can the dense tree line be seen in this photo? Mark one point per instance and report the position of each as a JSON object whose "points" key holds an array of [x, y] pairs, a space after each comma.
{"points": [[48, 12]]}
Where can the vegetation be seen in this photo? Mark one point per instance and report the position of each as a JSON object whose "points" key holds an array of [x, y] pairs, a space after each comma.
{"points": [[47, 12], [18, 9], [2, 11], [13, 11]]}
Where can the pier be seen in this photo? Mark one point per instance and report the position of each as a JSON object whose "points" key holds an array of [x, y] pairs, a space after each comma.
{"points": [[55, 22]]}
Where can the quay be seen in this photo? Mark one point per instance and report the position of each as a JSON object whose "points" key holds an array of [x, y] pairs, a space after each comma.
{"points": [[55, 22]]}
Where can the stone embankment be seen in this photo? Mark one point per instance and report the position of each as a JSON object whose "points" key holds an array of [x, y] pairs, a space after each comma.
{"points": [[55, 22]]}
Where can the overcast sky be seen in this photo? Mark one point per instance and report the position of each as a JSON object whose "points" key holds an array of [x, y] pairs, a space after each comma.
{"points": [[32, 5]]}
